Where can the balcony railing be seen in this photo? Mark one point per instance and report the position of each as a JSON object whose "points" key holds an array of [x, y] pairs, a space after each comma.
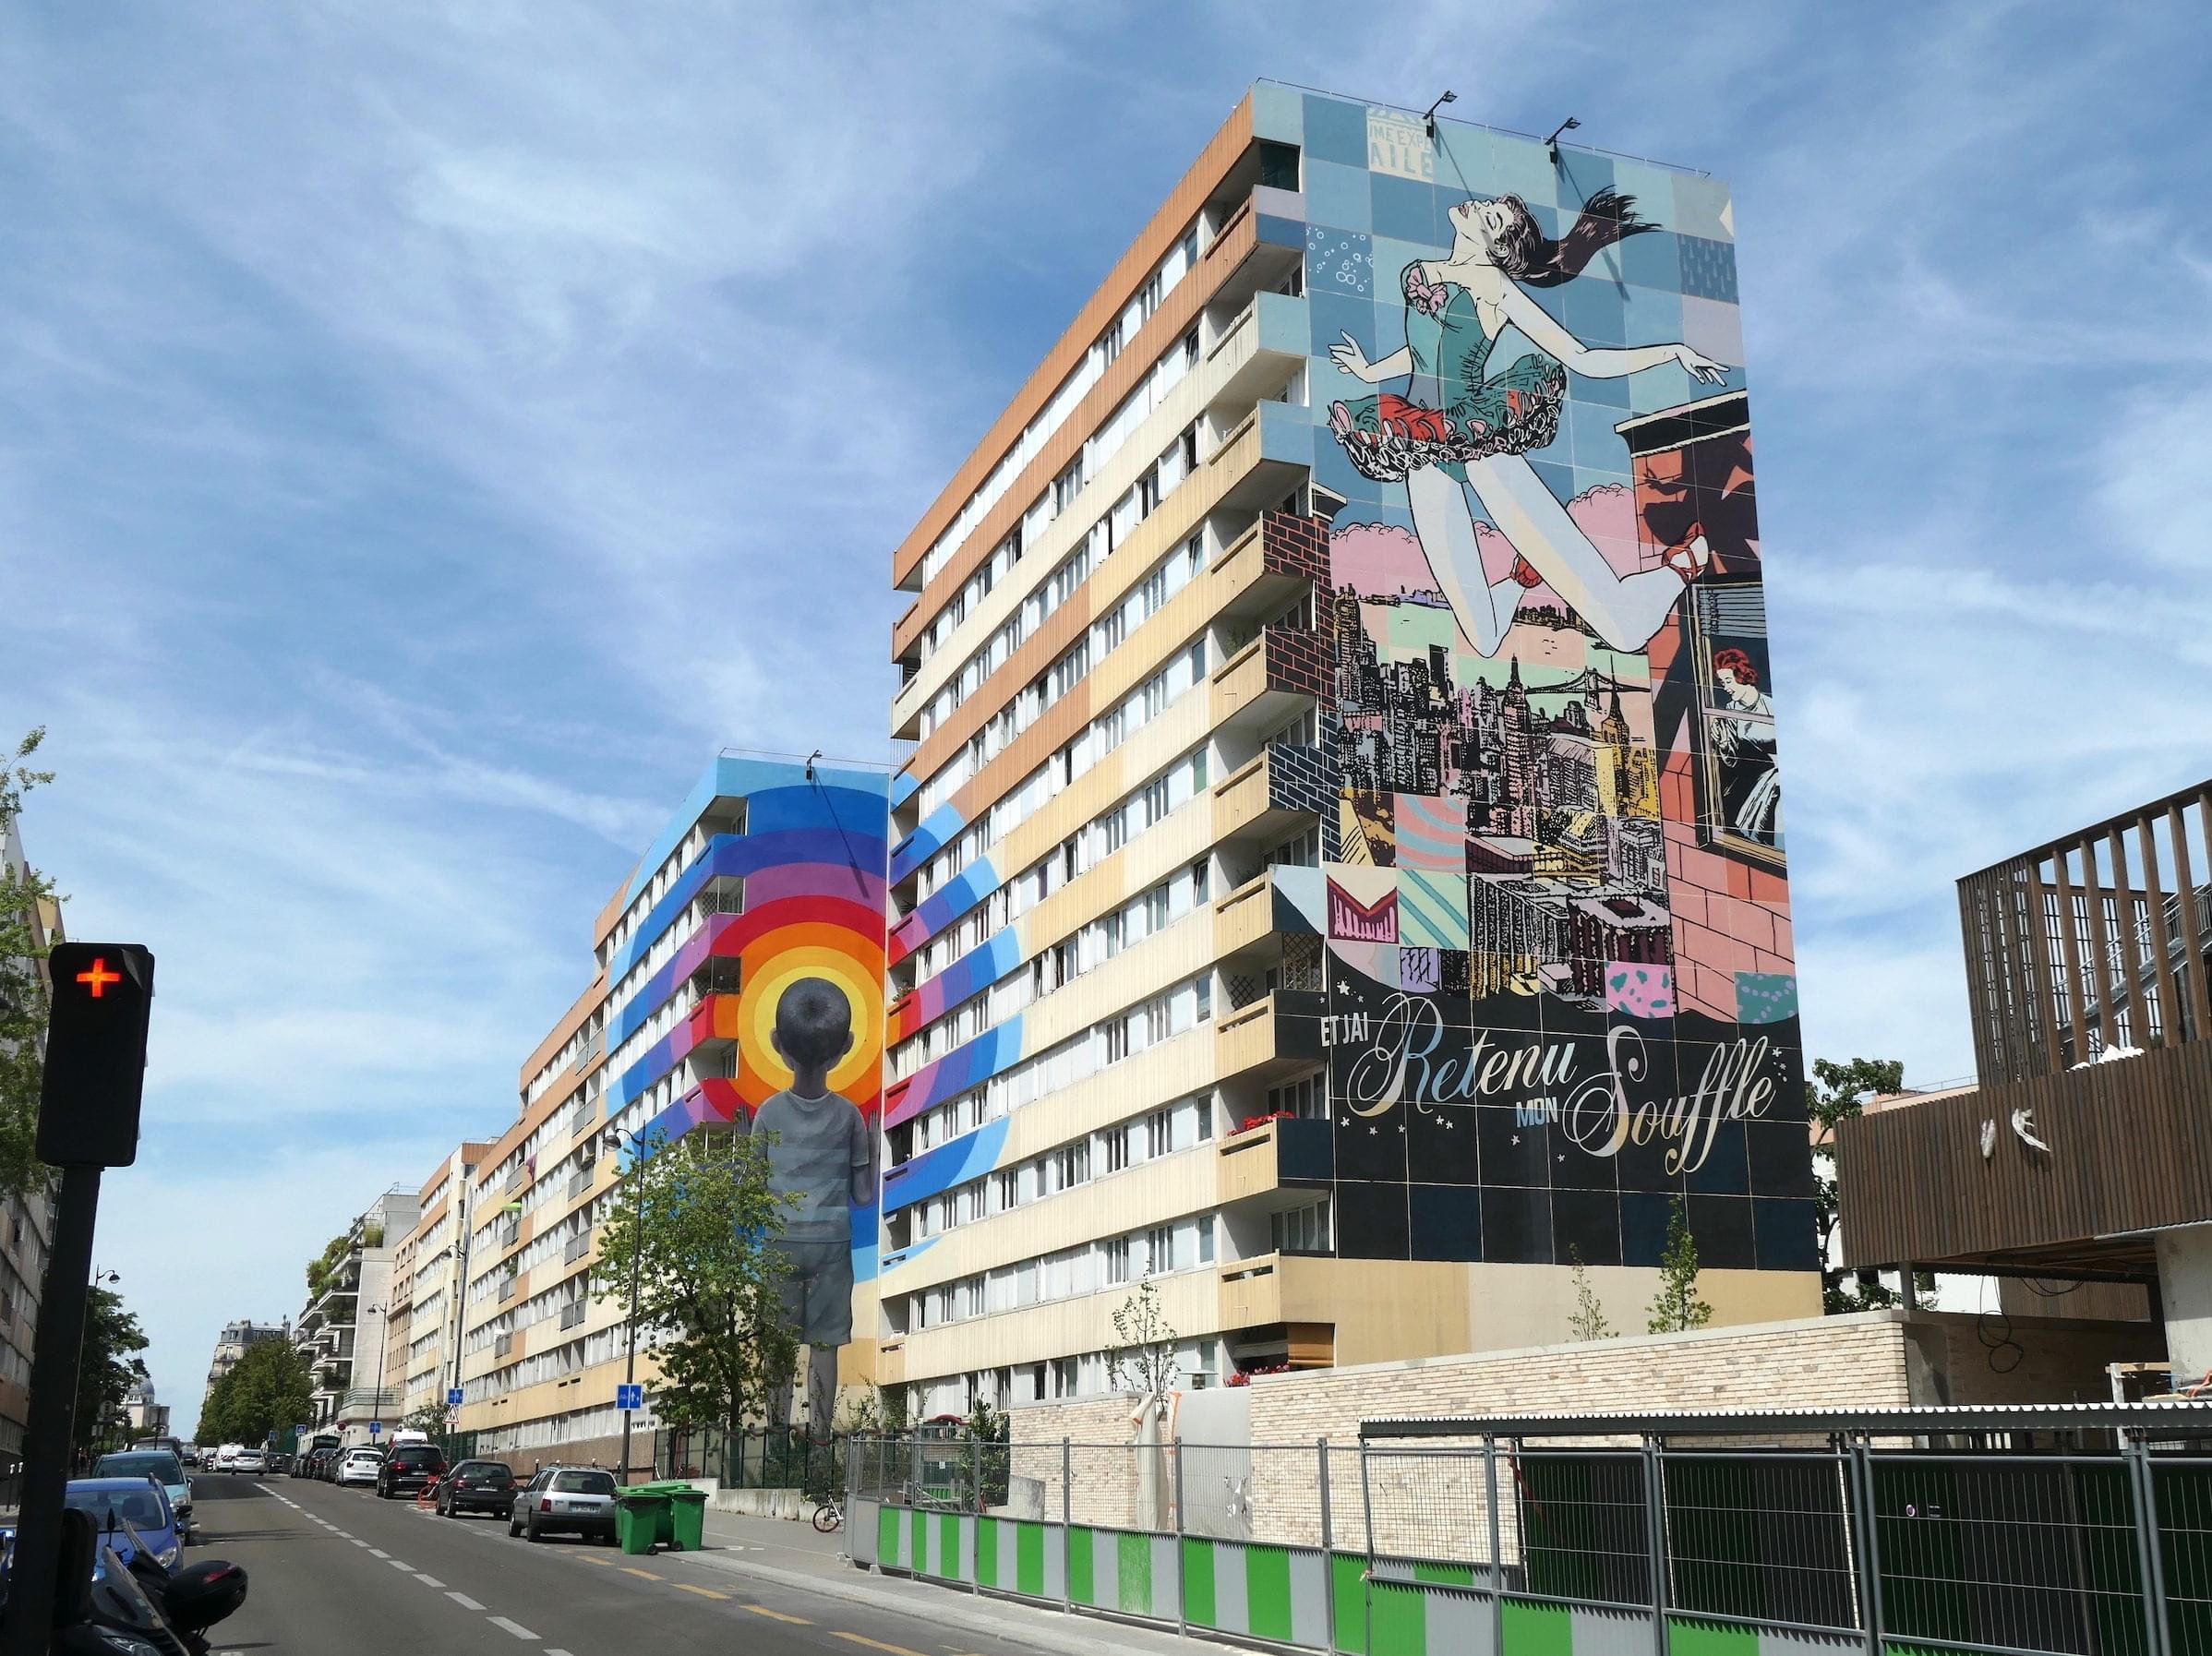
{"points": [[581, 1180], [507, 1287], [573, 1311], [502, 1345], [579, 1245]]}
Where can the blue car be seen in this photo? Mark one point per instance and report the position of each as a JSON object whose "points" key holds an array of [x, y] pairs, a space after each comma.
{"points": [[157, 1466], [132, 1500]]}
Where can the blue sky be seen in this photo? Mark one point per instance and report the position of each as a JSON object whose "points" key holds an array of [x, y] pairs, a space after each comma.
{"points": [[430, 430]]}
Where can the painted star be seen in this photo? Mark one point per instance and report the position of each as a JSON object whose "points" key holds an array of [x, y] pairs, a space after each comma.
{"points": [[1372, 1131]]}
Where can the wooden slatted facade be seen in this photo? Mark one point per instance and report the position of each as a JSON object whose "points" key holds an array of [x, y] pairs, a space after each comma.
{"points": [[2130, 1151], [2091, 945]]}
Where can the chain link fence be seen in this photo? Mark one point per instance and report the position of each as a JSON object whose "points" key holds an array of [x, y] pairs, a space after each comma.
{"points": [[2065, 1554]]}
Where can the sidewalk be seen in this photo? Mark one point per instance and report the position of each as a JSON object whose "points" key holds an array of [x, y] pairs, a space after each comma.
{"points": [[794, 1555]]}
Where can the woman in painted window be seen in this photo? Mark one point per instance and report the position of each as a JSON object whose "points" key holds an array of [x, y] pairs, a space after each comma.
{"points": [[1466, 427], [1742, 731]]}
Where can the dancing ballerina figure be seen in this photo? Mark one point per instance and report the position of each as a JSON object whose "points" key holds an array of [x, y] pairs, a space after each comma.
{"points": [[1464, 427]]}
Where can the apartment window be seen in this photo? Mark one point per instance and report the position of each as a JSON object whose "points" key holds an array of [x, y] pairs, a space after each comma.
{"points": [[1159, 1249], [1067, 486], [1206, 1239], [1303, 1230], [1117, 1149], [1002, 1192], [1307, 1097], [1199, 876], [1117, 1041], [1117, 1261], [1156, 909], [1278, 165], [1154, 800], [1160, 1133]]}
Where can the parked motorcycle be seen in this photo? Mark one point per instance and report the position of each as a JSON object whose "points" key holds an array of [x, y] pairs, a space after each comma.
{"points": [[119, 1599]]}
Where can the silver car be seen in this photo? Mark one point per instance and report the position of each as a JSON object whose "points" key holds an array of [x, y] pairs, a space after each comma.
{"points": [[571, 1500]]}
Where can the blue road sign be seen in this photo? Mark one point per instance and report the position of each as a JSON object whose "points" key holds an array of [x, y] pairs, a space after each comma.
{"points": [[629, 1397], [452, 1397], [375, 1428]]}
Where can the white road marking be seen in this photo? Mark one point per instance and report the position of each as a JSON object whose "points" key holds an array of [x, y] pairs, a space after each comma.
{"points": [[462, 1600], [514, 1628], [378, 1553], [401, 1564], [550, 1651], [428, 1580], [359, 1542]]}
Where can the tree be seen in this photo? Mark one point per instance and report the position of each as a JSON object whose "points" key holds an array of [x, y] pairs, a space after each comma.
{"points": [[1836, 1093], [1676, 1307], [267, 1390], [694, 1219], [23, 892], [110, 1367], [1589, 1319], [429, 1419], [1142, 1359]]}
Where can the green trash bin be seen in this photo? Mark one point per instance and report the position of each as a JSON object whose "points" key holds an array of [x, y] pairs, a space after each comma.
{"points": [[640, 1518], [687, 1517], [668, 1490]]}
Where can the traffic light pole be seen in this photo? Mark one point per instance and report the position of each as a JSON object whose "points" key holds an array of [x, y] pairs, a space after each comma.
{"points": [[50, 1432]]}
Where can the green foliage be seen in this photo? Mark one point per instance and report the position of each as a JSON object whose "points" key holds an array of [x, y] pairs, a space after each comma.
{"points": [[321, 1269], [268, 1390], [22, 990], [1836, 1093], [109, 1368], [695, 1220], [1587, 1322], [1142, 1358], [1676, 1308], [430, 1419]]}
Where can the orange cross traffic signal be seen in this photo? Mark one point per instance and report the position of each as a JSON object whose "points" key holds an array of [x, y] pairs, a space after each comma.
{"points": [[95, 1054]]}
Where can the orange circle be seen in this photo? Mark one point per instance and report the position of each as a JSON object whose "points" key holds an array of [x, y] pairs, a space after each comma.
{"points": [[775, 960]]}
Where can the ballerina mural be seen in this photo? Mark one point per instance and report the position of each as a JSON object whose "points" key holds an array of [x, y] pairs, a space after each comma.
{"points": [[1464, 427]]}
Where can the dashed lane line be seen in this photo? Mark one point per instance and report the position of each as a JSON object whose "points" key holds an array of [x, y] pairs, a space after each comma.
{"points": [[514, 1628], [378, 1553], [429, 1580], [777, 1615], [873, 1644], [401, 1564], [605, 1563], [633, 1570], [704, 1592], [462, 1600], [358, 1543], [550, 1651]]}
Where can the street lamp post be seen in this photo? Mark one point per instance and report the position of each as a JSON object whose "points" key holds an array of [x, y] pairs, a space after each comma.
{"points": [[629, 1362]]}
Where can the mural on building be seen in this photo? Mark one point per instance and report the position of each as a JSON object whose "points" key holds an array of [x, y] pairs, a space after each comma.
{"points": [[792, 876], [1548, 944]]}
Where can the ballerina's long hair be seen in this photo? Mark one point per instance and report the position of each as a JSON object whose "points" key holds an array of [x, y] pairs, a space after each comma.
{"points": [[1526, 253]]}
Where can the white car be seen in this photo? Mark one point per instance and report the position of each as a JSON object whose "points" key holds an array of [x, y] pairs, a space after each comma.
{"points": [[359, 1466], [249, 1460], [224, 1456]]}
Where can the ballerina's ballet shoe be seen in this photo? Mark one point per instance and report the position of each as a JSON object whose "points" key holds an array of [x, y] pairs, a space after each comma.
{"points": [[1524, 572], [1693, 557]]}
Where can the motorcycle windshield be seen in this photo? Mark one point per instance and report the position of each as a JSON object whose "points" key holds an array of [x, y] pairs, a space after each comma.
{"points": [[119, 1601]]}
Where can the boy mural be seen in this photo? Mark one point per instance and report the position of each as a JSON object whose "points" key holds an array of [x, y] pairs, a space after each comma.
{"points": [[821, 1152]]}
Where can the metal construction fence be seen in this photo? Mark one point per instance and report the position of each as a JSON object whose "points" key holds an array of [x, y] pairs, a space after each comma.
{"points": [[761, 1458], [1516, 1546]]}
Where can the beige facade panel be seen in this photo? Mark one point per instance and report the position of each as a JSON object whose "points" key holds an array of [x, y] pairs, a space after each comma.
{"points": [[1083, 1323]]}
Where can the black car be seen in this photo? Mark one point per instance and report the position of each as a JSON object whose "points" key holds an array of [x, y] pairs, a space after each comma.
{"points": [[408, 1467], [478, 1486]]}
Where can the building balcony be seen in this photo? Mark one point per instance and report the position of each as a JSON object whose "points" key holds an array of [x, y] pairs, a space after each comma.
{"points": [[1276, 793], [1244, 918], [2067, 1175], [1274, 1312], [1272, 679], [1271, 567], [1279, 1164], [1279, 1033], [578, 1246], [508, 1287], [573, 1314]]}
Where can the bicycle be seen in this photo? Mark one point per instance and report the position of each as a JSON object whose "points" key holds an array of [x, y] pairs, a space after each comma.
{"points": [[828, 1516]]}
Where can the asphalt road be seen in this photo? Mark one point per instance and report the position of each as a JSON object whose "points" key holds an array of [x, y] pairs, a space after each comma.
{"points": [[336, 1572]]}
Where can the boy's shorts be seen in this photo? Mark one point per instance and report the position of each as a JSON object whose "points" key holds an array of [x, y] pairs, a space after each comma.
{"points": [[817, 1291]]}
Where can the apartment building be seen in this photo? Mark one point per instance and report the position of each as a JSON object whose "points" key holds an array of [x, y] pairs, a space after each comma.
{"points": [[344, 1332], [231, 1344], [428, 1269], [26, 1223], [1339, 873], [771, 869]]}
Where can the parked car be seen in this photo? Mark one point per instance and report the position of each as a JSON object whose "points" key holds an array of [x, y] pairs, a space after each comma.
{"points": [[359, 1465], [408, 1467], [577, 1500], [225, 1454], [156, 1466], [207, 1457], [311, 1464], [132, 1501], [250, 1460], [278, 1461], [478, 1486]]}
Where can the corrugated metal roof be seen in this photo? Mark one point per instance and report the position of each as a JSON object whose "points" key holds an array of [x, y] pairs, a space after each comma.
{"points": [[2186, 1417]]}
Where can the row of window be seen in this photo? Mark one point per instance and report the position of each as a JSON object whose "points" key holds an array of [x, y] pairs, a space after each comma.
{"points": [[1081, 851], [1158, 1133], [1180, 261], [1198, 1364], [1083, 1054], [1156, 1250], [725, 816]]}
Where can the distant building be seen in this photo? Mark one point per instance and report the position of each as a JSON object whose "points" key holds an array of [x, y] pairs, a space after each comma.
{"points": [[26, 1229], [232, 1344], [343, 1331]]}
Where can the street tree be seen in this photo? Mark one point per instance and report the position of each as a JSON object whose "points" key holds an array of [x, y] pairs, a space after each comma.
{"points": [[23, 891], [266, 1391], [693, 1222], [1836, 1093], [109, 1368], [1588, 1320], [1142, 1358], [1676, 1308]]}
